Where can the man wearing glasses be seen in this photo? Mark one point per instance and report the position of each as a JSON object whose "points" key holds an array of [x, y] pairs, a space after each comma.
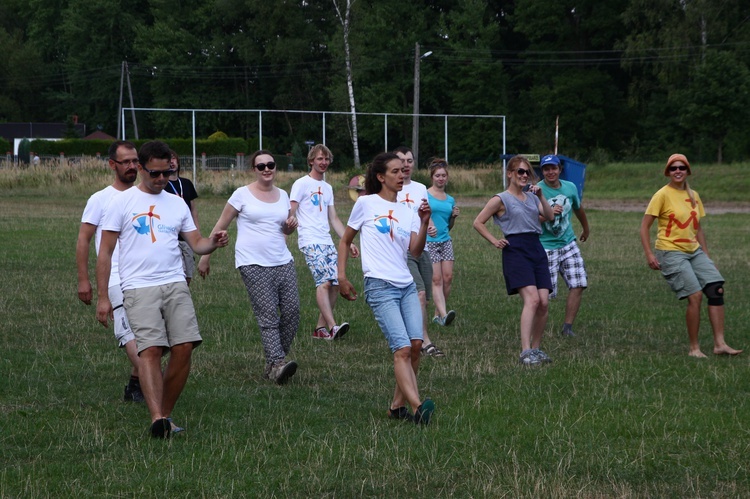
{"points": [[145, 223], [123, 160], [312, 203]]}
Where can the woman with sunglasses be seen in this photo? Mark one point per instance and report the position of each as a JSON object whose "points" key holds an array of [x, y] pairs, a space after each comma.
{"points": [[682, 256], [388, 229], [266, 266], [517, 211]]}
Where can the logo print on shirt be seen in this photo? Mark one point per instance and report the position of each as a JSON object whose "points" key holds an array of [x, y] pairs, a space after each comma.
{"points": [[408, 202], [145, 222], [693, 219], [316, 197], [384, 223]]}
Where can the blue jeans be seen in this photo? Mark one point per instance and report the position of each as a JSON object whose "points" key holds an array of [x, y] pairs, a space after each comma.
{"points": [[397, 311]]}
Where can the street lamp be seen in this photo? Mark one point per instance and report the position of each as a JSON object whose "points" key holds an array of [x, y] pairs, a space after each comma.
{"points": [[415, 129]]}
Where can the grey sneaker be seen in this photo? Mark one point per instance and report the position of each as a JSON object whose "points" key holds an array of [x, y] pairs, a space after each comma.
{"points": [[438, 320], [449, 317], [567, 332], [133, 393], [529, 358], [282, 371], [543, 357]]}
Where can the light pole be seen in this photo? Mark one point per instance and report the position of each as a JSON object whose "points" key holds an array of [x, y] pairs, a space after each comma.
{"points": [[415, 128]]}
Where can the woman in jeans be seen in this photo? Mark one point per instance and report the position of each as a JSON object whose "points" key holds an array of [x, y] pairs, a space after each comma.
{"points": [[265, 263], [388, 229], [682, 255]]}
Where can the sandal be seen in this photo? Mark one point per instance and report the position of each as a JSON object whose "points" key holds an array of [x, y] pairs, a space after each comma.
{"points": [[432, 351]]}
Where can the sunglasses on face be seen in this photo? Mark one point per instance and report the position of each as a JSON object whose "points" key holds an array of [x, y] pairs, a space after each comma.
{"points": [[262, 166], [521, 172], [156, 173], [682, 168]]}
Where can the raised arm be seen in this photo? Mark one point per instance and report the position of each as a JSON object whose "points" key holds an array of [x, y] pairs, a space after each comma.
{"points": [[85, 233], [418, 240]]}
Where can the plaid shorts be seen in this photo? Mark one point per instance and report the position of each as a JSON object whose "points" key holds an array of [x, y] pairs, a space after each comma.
{"points": [[441, 251], [568, 262], [322, 260]]}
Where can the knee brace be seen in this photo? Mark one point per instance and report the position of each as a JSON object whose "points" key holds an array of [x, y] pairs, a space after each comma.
{"points": [[714, 291]]}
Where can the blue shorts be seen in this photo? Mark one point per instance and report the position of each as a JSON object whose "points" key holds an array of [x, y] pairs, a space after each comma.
{"points": [[397, 311], [322, 260], [525, 263]]}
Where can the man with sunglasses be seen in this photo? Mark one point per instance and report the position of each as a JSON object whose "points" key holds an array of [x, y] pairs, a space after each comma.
{"points": [[123, 161], [559, 240], [312, 203], [145, 222]]}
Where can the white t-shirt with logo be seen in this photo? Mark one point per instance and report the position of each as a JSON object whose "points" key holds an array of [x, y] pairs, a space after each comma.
{"points": [[93, 214], [260, 240], [385, 232], [148, 225], [314, 198], [412, 194]]}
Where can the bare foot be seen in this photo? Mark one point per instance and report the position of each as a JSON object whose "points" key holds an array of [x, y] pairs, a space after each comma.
{"points": [[697, 353], [726, 350]]}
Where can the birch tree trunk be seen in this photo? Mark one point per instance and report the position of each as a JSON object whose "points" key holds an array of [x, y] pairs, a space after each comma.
{"points": [[345, 23]]}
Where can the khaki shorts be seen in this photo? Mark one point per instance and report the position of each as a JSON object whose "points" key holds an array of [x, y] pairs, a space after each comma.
{"points": [[687, 273], [421, 271], [162, 316]]}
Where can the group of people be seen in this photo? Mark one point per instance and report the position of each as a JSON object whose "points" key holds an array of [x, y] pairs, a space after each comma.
{"points": [[146, 237]]}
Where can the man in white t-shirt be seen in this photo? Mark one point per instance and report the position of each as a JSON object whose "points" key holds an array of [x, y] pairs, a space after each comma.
{"points": [[145, 222], [123, 160], [312, 203], [412, 195]]}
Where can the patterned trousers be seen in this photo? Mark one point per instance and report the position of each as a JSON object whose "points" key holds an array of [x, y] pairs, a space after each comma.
{"points": [[275, 300]]}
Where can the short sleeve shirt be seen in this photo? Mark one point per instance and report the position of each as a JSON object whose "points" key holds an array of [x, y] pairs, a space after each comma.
{"points": [[559, 232], [678, 221], [385, 233], [314, 198], [93, 214]]}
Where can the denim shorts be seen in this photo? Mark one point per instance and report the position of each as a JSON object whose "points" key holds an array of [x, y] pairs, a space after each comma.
{"points": [[397, 311]]}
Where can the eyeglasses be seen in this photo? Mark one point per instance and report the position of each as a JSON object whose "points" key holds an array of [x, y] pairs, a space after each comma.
{"points": [[127, 162], [682, 168], [262, 166], [521, 172], [156, 173]]}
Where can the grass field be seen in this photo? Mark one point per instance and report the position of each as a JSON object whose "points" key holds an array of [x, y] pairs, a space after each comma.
{"points": [[622, 411]]}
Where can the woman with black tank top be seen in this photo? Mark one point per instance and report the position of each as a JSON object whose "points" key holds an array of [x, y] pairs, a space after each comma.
{"points": [[517, 211]]}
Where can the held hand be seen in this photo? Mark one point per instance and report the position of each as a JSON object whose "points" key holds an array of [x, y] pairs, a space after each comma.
{"points": [[220, 238], [204, 267], [84, 292], [535, 189], [347, 290], [353, 251], [104, 311], [289, 225], [424, 211], [432, 231], [557, 209]]}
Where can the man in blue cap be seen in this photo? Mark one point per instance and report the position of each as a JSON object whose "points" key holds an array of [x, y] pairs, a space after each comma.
{"points": [[559, 240]]}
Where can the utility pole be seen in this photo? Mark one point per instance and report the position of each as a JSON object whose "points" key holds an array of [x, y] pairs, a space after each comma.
{"points": [[415, 129]]}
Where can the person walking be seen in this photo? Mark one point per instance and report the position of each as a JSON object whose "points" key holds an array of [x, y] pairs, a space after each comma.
{"points": [[420, 267], [123, 161], [388, 230], [313, 204], [559, 240], [682, 256], [144, 222], [440, 246], [517, 211], [264, 219]]}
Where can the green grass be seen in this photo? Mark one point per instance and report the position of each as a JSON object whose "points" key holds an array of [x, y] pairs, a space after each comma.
{"points": [[622, 411]]}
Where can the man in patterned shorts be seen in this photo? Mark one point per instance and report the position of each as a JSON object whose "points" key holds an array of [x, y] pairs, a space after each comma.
{"points": [[559, 240], [312, 203]]}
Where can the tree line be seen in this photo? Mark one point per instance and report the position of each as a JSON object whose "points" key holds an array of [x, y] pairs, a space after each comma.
{"points": [[629, 79]]}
